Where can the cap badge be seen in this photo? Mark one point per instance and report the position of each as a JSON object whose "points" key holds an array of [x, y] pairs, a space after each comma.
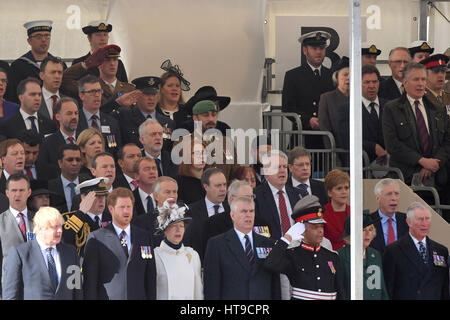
{"points": [[373, 49], [151, 81], [319, 213], [425, 46], [102, 184], [318, 35], [102, 26]]}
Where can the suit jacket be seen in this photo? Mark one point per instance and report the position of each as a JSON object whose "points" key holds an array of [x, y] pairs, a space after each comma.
{"points": [[4, 202], [110, 275], [330, 107], [121, 72], [407, 276], [44, 108], [302, 90], [389, 90], [317, 189], [372, 129], [266, 207], [13, 125], [402, 229], [48, 153], [10, 234], [27, 277], [130, 120], [106, 120], [228, 274], [403, 142], [56, 186], [168, 167], [197, 233]]}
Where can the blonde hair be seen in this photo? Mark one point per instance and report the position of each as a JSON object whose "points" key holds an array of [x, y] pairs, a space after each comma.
{"points": [[84, 137], [45, 217]]}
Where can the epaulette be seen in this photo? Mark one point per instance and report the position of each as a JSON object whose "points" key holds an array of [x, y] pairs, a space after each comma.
{"points": [[73, 223]]}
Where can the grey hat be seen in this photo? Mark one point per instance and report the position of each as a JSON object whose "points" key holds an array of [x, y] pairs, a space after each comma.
{"points": [[308, 209]]}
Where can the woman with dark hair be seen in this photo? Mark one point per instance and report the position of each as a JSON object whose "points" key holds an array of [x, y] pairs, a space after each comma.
{"points": [[178, 268], [246, 173], [171, 101], [7, 108]]}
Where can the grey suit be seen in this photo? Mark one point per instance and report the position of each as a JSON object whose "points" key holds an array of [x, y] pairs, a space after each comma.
{"points": [[10, 234], [27, 277]]}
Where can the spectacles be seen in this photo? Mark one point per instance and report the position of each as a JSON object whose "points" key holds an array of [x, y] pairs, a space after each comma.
{"points": [[93, 91], [41, 36], [399, 61], [5, 81]]}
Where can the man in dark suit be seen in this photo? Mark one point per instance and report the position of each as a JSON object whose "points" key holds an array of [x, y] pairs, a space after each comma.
{"points": [[39, 35], [119, 261], [417, 133], [215, 185], [372, 115], [303, 85], [51, 75], [90, 216], [151, 135], [13, 160], [66, 113], [98, 35], [145, 108], [91, 117], [43, 268], [415, 267], [16, 224], [31, 144], [275, 199], [164, 189], [69, 160], [128, 155], [299, 161], [146, 175], [29, 92], [233, 266], [392, 225], [392, 88]]}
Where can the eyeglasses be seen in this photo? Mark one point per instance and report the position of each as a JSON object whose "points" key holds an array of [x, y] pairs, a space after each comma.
{"points": [[41, 36], [399, 61], [93, 91], [5, 81]]}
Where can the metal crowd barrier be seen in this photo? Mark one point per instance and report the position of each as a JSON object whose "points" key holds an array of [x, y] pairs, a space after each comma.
{"points": [[283, 122]]}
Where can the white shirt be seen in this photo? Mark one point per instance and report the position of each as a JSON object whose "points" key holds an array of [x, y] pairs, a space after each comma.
{"points": [[65, 136], [421, 108], [127, 237], [277, 203], [295, 183], [47, 95], [92, 216], [399, 84], [241, 237], [416, 242], [367, 102], [55, 256], [113, 84], [27, 121], [210, 207], [88, 116], [25, 217], [153, 114], [314, 68], [129, 179], [144, 200], [33, 171]]}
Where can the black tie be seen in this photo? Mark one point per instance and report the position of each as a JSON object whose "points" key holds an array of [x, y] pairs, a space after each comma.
{"points": [[33, 124], [249, 250], [149, 116], [158, 165], [97, 221], [373, 112], [150, 207], [316, 72], [216, 208]]}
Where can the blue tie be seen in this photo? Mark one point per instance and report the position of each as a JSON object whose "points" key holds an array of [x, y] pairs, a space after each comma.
{"points": [[303, 187], [249, 250], [52, 268], [158, 166], [150, 207]]}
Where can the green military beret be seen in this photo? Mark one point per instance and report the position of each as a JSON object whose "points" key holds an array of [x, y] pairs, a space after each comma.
{"points": [[203, 107]]}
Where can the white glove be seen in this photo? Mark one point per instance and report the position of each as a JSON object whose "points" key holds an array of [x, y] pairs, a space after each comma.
{"points": [[296, 231]]}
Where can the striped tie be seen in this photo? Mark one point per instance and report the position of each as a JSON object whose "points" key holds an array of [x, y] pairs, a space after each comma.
{"points": [[285, 222], [22, 226], [249, 250], [423, 132], [423, 252]]}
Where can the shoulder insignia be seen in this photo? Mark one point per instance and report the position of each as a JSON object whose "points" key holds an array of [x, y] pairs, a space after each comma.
{"points": [[73, 223]]}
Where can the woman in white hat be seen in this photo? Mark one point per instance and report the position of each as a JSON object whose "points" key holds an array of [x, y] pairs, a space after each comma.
{"points": [[178, 268]]}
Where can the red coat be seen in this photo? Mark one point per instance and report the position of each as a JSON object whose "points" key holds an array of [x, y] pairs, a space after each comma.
{"points": [[334, 227]]}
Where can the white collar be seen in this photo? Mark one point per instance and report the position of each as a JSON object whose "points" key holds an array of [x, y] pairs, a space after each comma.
{"points": [[65, 181], [44, 246], [150, 156], [16, 212], [275, 190], [144, 194], [398, 83], [47, 94], [295, 182], [26, 115], [241, 235], [65, 136], [367, 101], [411, 100], [424, 240], [210, 204], [129, 179], [314, 68], [119, 230], [92, 216]]}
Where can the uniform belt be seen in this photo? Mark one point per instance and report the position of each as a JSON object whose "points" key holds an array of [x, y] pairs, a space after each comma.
{"points": [[303, 294]]}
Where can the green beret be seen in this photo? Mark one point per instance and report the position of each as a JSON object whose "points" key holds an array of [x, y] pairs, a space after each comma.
{"points": [[203, 107]]}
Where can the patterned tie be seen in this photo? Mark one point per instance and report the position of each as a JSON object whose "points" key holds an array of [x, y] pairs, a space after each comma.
{"points": [[316, 72], [402, 89], [249, 250], [135, 184], [55, 101], [150, 207], [52, 268], [71, 140], [33, 124], [22, 226], [158, 166], [423, 252], [285, 223], [94, 122], [423, 132], [216, 209], [123, 242], [303, 187], [391, 234], [29, 172]]}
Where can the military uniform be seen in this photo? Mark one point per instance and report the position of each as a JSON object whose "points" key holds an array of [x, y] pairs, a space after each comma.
{"points": [[313, 271], [438, 63]]}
